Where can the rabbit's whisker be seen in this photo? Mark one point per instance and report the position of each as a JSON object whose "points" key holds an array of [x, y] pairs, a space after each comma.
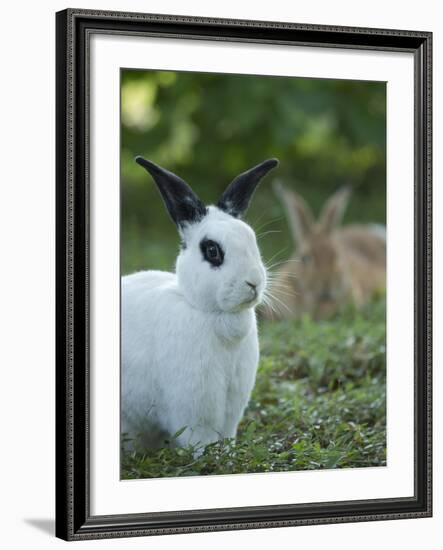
{"points": [[281, 262], [267, 304], [277, 253], [275, 279], [261, 235], [284, 249], [276, 264], [275, 299], [279, 273], [267, 299], [255, 222], [284, 290], [285, 295], [273, 276], [266, 223], [287, 262]]}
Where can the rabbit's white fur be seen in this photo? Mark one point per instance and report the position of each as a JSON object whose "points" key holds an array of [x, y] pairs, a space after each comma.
{"points": [[189, 339]]}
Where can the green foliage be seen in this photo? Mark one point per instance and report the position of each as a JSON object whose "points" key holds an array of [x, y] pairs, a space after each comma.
{"points": [[210, 127], [318, 402]]}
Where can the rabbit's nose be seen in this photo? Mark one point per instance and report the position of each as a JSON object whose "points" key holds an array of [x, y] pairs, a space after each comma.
{"points": [[253, 286]]}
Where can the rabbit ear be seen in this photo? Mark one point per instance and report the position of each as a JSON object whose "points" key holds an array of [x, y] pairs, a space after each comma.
{"points": [[182, 203], [236, 198], [301, 220], [334, 209]]}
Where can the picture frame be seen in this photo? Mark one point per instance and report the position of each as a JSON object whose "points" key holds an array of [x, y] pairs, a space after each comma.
{"points": [[74, 517]]}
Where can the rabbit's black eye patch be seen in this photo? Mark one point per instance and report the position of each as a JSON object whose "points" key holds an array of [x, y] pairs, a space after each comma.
{"points": [[212, 252]]}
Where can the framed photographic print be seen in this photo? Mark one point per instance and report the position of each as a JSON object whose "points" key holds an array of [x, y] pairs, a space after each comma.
{"points": [[243, 274]]}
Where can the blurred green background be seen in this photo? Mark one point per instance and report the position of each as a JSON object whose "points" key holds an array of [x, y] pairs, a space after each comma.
{"points": [[208, 128]]}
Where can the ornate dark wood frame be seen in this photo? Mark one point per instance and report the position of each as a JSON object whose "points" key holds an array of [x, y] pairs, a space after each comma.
{"points": [[73, 518]]}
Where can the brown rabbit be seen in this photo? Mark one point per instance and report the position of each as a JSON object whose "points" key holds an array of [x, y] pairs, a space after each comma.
{"points": [[332, 265]]}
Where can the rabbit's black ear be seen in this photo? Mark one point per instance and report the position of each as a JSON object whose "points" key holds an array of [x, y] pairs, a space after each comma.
{"points": [[235, 200], [182, 203]]}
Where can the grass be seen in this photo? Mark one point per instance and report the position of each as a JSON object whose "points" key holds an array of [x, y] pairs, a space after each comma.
{"points": [[319, 402]]}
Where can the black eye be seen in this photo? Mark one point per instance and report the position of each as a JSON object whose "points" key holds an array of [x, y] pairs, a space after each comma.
{"points": [[212, 252]]}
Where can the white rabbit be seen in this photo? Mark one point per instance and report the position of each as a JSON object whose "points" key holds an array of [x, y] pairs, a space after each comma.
{"points": [[189, 339]]}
